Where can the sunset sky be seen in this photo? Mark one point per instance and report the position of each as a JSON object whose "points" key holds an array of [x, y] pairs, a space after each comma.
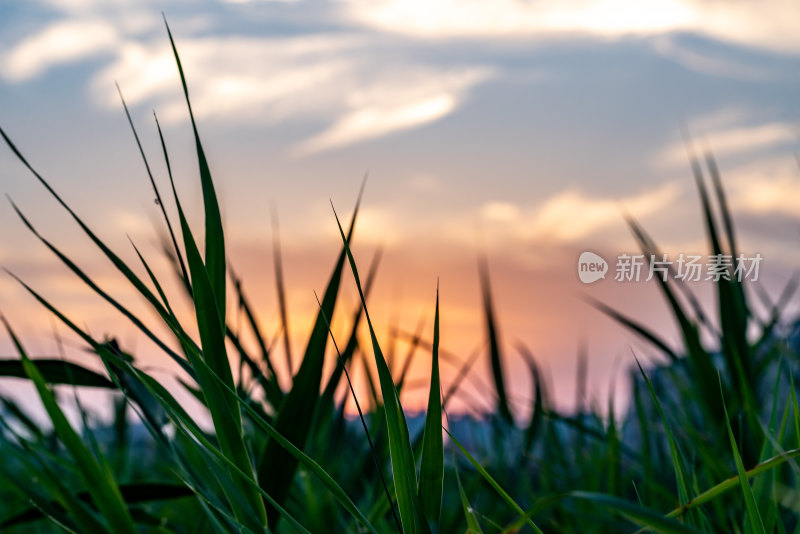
{"points": [[521, 129]]}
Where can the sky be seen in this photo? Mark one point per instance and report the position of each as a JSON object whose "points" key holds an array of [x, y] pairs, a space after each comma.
{"points": [[522, 130]]}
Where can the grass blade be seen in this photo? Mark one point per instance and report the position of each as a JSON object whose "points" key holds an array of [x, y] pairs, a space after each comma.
{"points": [[403, 466], [95, 473], [296, 413], [638, 514], [431, 473], [493, 483], [753, 515], [56, 371], [215, 260], [503, 408]]}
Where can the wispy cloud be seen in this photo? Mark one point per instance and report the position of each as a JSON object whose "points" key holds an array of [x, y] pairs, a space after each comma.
{"points": [[335, 80], [767, 25], [399, 102], [60, 43], [571, 215], [705, 63], [740, 140]]}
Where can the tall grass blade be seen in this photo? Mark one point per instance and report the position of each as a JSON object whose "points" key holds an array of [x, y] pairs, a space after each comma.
{"points": [[495, 356], [493, 483], [215, 259], [637, 514], [281, 289], [296, 412], [753, 515], [95, 472], [57, 372], [431, 473], [403, 466]]}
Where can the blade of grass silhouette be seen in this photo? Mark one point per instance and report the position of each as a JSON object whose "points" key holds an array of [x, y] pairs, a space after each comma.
{"points": [[178, 257], [534, 428], [342, 365], [156, 284], [431, 475], [633, 325], [732, 308], [96, 474], [403, 466], [281, 289], [700, 359], [471, 517], [56, 371], [215, 259], [677, 462], [493, 483], [503, 408], [649, 248], [159, 200], [225, 414], [108, 298], [642, 516], [296, 413], [326, 401], [753, 515]]}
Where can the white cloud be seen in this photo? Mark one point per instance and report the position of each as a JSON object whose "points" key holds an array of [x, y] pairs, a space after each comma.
{"points": [[377, 121], [705, 63], [328, 78], [234, 77], [732, 140], [397, 102], [511, 18], [570, 215], [763, 24], [59, 43]]}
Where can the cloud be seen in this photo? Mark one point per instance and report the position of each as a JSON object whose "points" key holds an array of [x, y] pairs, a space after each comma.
{"points": [[235, 77], [60, 43], [733, 141], [571, 215], [511, 18], [277, 79], [705, 63], [396, 103], [765, 25]]}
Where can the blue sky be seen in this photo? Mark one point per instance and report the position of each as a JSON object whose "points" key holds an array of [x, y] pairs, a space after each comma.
{"points": [[520, 128]]}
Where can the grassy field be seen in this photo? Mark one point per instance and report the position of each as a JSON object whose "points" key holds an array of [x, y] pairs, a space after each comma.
{"points": [[709, 444]]}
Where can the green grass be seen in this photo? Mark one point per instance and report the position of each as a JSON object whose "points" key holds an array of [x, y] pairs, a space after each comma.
{"points": [[709, 444]]}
